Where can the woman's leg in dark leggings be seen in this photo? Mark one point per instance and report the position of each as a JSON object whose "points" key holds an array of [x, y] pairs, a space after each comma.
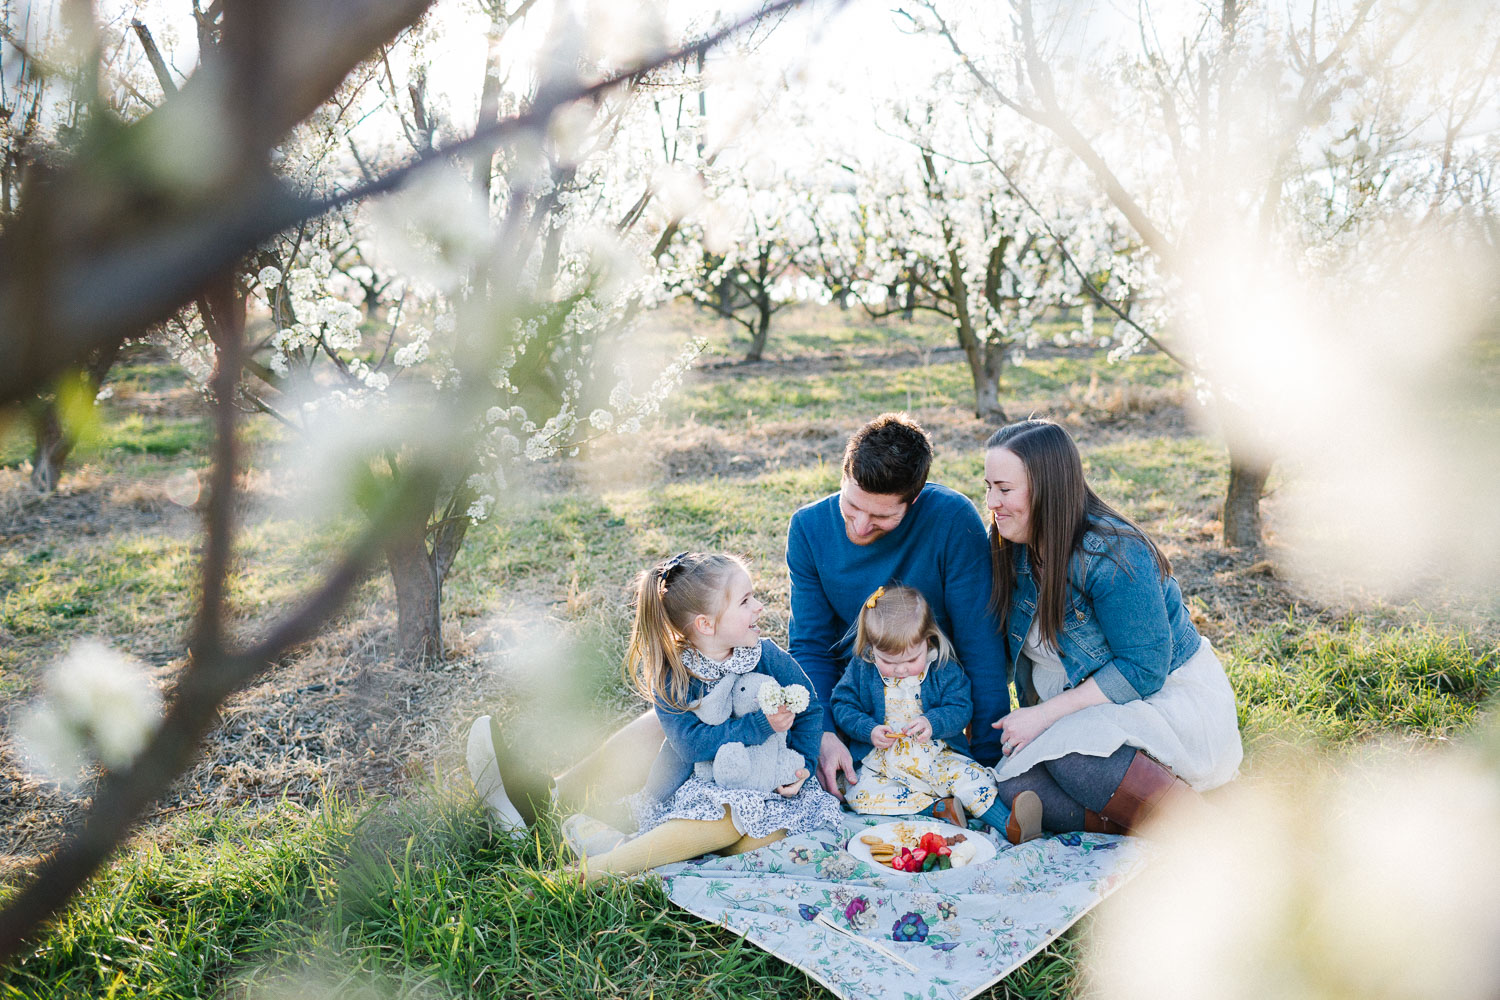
{"points": [[1069, 785], [1090, 780], [1060, 811]]}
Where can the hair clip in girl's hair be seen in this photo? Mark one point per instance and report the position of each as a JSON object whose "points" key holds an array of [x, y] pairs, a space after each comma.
{"points": [[665, 570], [879, 593]]}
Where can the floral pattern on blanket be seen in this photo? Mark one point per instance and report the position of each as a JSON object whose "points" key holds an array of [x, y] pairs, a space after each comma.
{"points": [[944, 935]]}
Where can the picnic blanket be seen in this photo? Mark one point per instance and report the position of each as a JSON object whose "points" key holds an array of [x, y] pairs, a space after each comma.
{"points": [[941, 936]]}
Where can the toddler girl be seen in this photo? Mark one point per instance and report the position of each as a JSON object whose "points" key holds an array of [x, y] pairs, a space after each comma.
{"points": [[696, 623], [905, 704]]}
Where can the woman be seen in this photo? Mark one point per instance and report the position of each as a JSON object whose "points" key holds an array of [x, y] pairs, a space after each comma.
{"points": [[1124, 707]]}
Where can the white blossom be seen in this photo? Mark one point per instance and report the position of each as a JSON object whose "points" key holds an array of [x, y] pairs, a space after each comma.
{"points": [[269, 277], [601, 419], [97, 704]]}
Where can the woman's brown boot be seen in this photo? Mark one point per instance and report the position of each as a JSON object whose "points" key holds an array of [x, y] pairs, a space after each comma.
{"points": [[1147, 788], [1094, 823]]}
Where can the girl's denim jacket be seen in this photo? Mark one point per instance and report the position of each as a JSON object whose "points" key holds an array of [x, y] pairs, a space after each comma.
{"points": [[691, 739], [1124, 623]]}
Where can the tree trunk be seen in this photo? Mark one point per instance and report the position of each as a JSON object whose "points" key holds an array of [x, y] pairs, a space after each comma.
{"points": [[987, 384], [762, 329], [419, 593], [1247, 482], [53, 444]]}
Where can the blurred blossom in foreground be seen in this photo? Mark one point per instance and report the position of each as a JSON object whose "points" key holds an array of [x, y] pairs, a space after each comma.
{"points": [[551, 673], [350, 434], [97, 705], [1380, 881], [434, 229], [1374, 382]]}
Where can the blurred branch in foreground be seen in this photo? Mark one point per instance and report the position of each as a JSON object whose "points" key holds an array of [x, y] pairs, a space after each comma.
{"points": [[147, 218]]}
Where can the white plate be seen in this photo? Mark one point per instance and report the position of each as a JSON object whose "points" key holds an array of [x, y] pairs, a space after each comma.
{"points": [[984, 850]]}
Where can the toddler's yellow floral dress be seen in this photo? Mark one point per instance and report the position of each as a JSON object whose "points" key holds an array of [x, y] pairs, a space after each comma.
{"points": [[910, 774]]}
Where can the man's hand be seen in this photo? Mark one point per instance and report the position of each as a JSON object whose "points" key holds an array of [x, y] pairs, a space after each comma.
{"points": [[919, 729], [781, 720], [883, 736], [834, 757], [794, 787]]}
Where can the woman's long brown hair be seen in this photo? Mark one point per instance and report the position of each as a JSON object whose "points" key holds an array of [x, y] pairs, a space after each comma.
{"points": [[1063, 509]]}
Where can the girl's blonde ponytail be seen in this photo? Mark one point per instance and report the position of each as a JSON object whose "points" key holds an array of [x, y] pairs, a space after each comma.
{"points": [[667, 597]]}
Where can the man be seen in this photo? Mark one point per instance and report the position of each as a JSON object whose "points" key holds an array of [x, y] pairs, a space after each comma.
{"points": [[885, 525]]}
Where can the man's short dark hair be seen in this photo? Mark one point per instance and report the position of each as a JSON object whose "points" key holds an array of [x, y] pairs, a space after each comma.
{"points": [[889, 456]]}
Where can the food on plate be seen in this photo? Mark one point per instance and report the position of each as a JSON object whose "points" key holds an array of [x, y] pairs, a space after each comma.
{"points": [[920, 850]]}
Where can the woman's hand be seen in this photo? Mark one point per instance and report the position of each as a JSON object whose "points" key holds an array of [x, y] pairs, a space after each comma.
{"points": [[781, 720], [883, 736], [1022, 726], [919, 729], [794, 787]]}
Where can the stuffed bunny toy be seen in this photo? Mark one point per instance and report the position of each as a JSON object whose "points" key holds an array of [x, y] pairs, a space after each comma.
{"points": [[770, 764]]}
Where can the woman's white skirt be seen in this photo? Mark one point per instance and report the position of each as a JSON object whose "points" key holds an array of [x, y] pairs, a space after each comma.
{"points": [[1189, 725]]}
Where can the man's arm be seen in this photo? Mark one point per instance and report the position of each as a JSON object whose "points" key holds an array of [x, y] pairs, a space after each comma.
{"points": [[977, 636], [814, 629]]}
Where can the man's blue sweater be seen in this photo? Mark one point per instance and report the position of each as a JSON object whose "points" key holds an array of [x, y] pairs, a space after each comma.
{"points": [[939, 548]]}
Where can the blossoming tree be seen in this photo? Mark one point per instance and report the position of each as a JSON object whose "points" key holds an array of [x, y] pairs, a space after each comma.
{"points": [[152, 216], [1238, 141]]}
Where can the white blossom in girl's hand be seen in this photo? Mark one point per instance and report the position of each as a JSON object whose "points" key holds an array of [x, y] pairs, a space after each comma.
{"points": [[269, 277], [97, 704]]}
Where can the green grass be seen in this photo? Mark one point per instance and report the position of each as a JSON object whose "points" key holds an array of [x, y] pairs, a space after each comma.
{"points": [[854, 387], [1336, 686], [413, 896], [416, 900]]}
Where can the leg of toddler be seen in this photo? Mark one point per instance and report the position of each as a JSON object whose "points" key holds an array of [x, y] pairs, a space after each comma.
{"points": [[674, 840]]}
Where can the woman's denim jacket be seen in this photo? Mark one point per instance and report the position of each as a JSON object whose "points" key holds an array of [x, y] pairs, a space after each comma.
{"points": [[1124, 624]]}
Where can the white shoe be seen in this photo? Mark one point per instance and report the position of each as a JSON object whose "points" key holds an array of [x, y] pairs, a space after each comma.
{"points": [[589, 837], [484, 771]]}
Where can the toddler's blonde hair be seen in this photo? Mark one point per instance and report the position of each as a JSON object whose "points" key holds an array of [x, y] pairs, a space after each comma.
{"points": [[893, 620]]}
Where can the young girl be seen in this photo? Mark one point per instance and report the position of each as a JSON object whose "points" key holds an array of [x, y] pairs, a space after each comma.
{"points": [[696, 622], [904, 704]]}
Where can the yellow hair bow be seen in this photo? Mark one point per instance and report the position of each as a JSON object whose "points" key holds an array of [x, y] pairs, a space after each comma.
{"points": [[879, 593]]}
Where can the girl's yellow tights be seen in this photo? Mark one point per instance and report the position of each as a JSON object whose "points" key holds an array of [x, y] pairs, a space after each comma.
{"points": [[675, 840]]}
